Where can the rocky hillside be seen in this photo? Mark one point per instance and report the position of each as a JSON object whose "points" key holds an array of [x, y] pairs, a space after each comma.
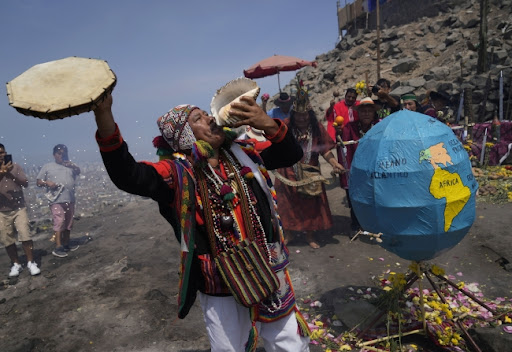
{"points": [[438, 53]]}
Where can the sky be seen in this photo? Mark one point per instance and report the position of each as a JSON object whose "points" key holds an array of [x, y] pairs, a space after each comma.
{"points": [[164, 53]]}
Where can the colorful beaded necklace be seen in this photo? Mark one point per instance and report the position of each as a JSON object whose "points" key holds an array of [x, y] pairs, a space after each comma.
{"points": [[220, 198]]}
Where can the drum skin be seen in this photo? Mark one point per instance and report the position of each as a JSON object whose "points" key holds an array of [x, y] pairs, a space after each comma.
{"points": [[61, 88]]}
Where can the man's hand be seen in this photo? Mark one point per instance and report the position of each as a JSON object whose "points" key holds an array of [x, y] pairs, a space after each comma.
{"points": [[6, 168], [337, 168], [51, 185], [104, 117], [252, 115]]}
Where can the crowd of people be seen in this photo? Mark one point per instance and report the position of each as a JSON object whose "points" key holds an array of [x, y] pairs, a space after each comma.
{"points": [[213, 187], [347, 120]]}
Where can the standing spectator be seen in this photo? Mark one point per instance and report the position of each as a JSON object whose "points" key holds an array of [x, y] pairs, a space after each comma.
{"points": [[344, 108], [353, 132], [410, 102], [386, 102], [59, 179], [13, 214], [435, 104], [302, 213], [283, 103]]}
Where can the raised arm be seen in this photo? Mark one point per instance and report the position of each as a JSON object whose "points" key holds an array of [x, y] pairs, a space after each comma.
{"points": [[284, 150], [134, 177]]}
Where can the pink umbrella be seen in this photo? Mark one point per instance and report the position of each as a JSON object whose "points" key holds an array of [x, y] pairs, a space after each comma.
{"points": [[275, 64]]}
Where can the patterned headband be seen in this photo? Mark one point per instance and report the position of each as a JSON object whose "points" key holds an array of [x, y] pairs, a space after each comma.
{"points": [[175, 129]]}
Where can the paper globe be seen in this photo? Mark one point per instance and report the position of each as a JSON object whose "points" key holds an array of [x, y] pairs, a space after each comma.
{"points": [[411, 179]]}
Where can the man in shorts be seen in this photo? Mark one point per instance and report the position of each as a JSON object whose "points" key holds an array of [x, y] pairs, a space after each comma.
{"points": [[59, 179], [13, 215]]}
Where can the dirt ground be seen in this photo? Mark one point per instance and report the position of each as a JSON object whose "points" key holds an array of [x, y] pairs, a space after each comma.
{"points": [[117, 292]]}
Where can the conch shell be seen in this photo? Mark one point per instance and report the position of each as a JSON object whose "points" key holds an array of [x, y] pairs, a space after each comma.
{"points": [[230, 94]]}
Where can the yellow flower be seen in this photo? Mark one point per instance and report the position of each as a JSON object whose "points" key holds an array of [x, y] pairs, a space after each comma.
{"points": [[507, 319], [415, 267], [345, 348], [461, 285], [437, 270]]}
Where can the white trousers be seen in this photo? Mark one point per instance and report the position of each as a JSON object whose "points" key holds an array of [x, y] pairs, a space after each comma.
{"points": [[228, 324]]}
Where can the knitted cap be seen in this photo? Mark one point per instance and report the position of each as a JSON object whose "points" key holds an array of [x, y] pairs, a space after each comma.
{"points": [[175, 129]]}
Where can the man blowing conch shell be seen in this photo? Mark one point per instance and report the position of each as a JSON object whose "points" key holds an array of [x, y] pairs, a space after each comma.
{"points": [[215, 193]]}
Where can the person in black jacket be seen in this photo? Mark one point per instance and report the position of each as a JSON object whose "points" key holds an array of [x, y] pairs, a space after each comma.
{"points": [[216, 193]]}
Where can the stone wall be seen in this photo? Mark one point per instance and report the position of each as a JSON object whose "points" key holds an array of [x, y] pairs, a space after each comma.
{"points": [[400, 12]]}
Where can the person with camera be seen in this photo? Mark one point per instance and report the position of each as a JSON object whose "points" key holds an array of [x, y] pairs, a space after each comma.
{"points": [[386, 102], [59, 178], [13, 214]]}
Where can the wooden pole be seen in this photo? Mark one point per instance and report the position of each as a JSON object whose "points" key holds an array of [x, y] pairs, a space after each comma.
{"points": [[367, 93], [378, 40], [468, 110], [482, 47]]}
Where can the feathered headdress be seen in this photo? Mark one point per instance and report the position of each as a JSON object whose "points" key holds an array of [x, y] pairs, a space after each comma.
{"points": [[301, 103]]}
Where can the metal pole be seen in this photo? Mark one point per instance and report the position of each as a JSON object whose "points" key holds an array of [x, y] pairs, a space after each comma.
{"points": [[378, 40]]}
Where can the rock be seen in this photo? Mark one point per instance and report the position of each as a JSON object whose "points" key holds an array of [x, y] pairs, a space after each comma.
{"points": [[492, 339], [434, 28], [452, 38], [441, 47], [415, 82], [430, 85], [405, 65], [451, 22], [329, 76], [430, 47], [494, 42], [392, 35], [437, 73], [499, 57], [353, 313], [445, 87], [470, 23], [401, 90], [342, 45], [357, 54], [387, 50], [508, 34]]}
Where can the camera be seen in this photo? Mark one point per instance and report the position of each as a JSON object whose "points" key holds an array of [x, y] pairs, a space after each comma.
{"points": [[375, 89], [7, 159]]}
